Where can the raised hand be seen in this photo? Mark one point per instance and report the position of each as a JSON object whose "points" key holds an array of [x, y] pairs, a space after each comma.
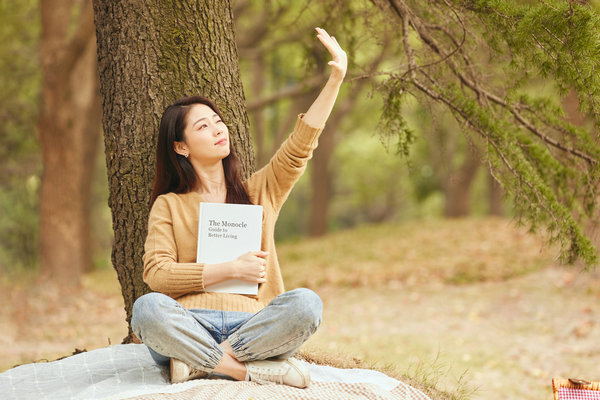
{"points": [[339, 64]]}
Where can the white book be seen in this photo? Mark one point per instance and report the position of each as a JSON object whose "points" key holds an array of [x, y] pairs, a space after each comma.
{"points": [[225, 232]]}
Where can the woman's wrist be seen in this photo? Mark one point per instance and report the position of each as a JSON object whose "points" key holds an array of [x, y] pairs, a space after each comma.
{"points": [[335, 79], [231, 269], [216, 273]]}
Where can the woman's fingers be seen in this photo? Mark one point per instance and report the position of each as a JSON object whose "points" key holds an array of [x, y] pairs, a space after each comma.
{"points": [[339, 62], [262, 275], [262, 262], [328, 42], [328, 46], [336, 43]]}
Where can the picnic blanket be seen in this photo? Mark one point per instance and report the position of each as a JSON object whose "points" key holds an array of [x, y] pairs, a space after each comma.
{"points": [[128, 372]]}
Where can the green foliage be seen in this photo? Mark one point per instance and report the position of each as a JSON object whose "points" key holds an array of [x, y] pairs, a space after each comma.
{"points": [[393, 124], [561, 41], [19, 226], [536, 178], [20, 167], [484, 73], [19, 86], [559, 38]]}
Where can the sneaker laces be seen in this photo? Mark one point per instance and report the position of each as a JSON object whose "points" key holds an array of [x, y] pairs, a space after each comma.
{"points": [[267, 375]]}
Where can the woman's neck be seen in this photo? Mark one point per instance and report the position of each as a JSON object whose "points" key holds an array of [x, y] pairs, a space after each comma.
{"points": [[212, 186]]}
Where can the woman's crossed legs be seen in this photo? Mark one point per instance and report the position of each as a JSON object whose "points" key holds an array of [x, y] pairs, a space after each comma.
{"points": [[221, 341]]}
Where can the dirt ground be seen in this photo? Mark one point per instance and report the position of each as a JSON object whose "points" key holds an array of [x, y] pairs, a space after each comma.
{"points": [[497, 339]]}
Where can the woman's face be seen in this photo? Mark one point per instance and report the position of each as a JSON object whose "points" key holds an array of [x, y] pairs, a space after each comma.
{"points": [[205, 137]]}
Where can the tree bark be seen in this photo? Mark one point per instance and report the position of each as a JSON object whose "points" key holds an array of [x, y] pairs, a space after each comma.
{"points": [[151, 53], [69, 128]]}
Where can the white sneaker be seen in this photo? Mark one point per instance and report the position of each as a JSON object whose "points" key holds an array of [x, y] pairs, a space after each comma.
{"points": [[291, 372], [181, 372]]}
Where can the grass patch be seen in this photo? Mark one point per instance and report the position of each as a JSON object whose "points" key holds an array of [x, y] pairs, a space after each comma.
{"points": [[421, 378], [102, 281], [459, 251]]}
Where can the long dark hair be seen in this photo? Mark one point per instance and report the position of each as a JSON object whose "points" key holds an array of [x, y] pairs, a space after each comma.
{"points": [[174, 172]]}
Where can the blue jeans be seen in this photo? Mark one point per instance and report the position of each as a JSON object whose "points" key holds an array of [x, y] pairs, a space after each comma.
{"points": [[193, 336]]}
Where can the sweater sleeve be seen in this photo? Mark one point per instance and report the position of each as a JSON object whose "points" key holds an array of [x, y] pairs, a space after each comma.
{"points": [[162, 272], [279, 176]]}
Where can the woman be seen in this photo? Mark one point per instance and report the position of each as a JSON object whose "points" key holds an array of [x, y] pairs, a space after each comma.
{"points": [[200, 332]]}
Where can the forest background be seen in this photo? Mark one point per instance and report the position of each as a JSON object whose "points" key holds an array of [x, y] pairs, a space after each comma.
{"points": [[360, 179], [358, 176]]}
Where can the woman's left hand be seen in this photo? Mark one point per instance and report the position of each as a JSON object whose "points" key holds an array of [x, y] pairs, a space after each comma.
{"points": [[339, 64]]}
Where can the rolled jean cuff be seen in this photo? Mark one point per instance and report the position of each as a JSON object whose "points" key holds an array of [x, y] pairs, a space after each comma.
{"points": [[239, 349], [213, 358]]}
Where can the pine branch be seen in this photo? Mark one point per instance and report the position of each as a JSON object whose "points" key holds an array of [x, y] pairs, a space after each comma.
{"points": [[574, 26], [546, 183], [477, 87]]}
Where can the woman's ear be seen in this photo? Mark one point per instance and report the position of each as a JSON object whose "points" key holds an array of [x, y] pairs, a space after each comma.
{"points": [[181, 149]]}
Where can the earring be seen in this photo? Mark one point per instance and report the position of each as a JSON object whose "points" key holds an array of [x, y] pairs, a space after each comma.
{"points": [[186, 155]]}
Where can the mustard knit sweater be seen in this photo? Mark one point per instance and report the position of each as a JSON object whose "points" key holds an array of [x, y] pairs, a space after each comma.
{"points": [[170, 250]]}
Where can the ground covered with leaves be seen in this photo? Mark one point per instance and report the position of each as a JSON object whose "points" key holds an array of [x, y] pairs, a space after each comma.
{"points": [[469, 306]]}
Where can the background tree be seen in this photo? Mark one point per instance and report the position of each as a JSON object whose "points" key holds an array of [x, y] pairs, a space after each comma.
{"points": [[149, 56], [454, 160], [69, 127]]}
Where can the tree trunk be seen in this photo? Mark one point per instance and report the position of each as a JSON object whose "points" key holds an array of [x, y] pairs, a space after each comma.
{"points": [[151, 53], [457, 187], [571, 106], [321, 182], [322, 175], [69, 126]]}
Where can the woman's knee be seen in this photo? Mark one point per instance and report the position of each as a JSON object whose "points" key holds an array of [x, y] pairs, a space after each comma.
{"points": [[146, 311], [307, 305]]}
